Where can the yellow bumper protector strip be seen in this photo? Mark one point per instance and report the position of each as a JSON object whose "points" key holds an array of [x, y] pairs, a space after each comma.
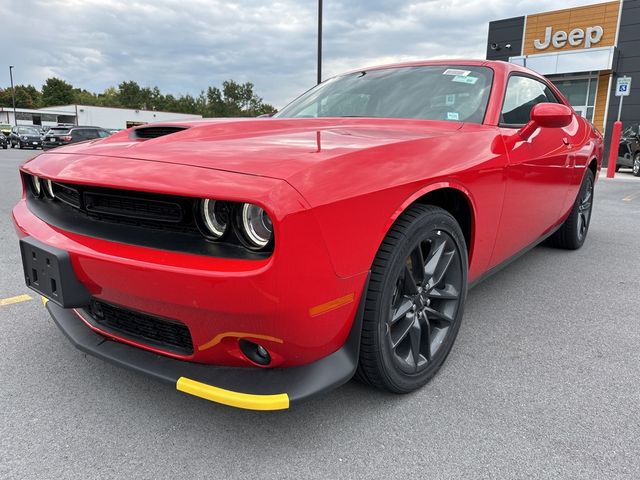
{"points": [[279, 401], [331, 305], [44, 300]]}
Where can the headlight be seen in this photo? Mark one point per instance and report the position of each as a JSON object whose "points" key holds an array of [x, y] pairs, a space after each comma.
{"points": [[215, 215], [48, 189], [37, 185], [256, 226]]}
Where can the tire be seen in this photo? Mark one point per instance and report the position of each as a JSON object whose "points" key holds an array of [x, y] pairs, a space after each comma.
{"points": [[573, 232], [636, 165], [415, 300], [12, 145]]}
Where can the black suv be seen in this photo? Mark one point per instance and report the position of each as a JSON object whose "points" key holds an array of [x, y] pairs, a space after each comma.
{"points": [[629, 149], [3, 140], [58, 136], [25, 136]]}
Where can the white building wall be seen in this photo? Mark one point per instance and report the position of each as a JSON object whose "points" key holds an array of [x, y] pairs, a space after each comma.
{"points": [[113, 118]]}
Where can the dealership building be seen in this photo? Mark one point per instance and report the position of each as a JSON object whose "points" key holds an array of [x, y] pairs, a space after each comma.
{"points": [[583, 51], [105, 117]]}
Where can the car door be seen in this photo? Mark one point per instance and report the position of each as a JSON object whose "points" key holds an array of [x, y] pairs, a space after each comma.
{"points": [[539, 172]]}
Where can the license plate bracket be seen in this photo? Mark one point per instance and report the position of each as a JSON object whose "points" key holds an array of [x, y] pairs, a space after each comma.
{"points": [[48, 271]]}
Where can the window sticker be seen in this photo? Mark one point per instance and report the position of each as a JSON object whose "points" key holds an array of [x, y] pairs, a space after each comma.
{"points": [[449, 100], [463, 79], [455, 71], [453, 116]]}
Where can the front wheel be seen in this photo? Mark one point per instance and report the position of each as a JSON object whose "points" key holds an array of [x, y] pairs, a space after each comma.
{"points": [[636, 165], [415, 300]]}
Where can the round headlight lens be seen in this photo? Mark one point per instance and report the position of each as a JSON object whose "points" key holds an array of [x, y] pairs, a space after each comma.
{"points": [[256, 225], [37, 185], [216, 216], [48, 188]]}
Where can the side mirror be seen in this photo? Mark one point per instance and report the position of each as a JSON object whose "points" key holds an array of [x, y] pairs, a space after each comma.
{"points": [[546, 115]]}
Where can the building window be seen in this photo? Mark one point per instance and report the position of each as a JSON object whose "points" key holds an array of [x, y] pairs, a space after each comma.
{"points": [[580, 91]]}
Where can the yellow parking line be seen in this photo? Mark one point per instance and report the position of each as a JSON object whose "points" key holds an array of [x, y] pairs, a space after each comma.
{"points": [[16, 299], [628, 198]]}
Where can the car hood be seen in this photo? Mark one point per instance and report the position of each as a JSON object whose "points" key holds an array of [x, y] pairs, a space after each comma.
{"points": [[276, 148]]}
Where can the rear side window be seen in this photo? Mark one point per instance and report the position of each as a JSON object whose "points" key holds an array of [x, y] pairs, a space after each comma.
{"points": [[80, 134], [520, 97]]}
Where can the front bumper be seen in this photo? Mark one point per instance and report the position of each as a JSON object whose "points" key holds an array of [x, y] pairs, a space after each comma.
{"points": [[247, 388], [31, 142]]}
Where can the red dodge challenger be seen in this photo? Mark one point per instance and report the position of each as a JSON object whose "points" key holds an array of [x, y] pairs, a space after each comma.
{"points": [[259, 262]]}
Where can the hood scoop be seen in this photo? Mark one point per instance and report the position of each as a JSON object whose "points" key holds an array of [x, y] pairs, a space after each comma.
{"points": [[148, 133]]}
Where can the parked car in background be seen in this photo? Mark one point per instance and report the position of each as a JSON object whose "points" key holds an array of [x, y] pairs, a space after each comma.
{"points": [[5, 128], [25, 136], [58, 136], [3, 141], [629, 149]]}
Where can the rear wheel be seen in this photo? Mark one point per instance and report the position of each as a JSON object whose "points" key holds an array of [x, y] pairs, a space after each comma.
{"points": [[415, 300], [636, 165], [573, 232]]}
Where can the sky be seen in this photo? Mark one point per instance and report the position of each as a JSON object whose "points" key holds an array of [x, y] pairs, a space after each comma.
{"points": [[184, 46]]}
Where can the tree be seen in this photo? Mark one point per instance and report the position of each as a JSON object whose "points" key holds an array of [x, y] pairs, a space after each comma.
{"points": [[130, 95], [56, 91], [27, 96], [235, 100]]}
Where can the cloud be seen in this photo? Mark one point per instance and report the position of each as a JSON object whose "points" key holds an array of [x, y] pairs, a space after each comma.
{"points": [[183, 46]]}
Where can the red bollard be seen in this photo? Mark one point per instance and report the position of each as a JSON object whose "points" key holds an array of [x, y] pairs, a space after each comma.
{"points": [[613, 148]]}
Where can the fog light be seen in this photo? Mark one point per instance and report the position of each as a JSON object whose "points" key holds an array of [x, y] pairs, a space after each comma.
{"points": [[254, 352]]}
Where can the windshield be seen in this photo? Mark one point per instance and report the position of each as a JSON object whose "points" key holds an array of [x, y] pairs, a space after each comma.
{"points": [[28, 131], [440, 92]]}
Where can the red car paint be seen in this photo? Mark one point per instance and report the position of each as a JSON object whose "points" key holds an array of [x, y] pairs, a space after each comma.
{"points": [[333, 187]]}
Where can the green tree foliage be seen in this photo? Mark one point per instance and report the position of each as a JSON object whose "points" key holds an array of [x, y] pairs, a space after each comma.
{"points": [[56, 91], [232, 100], [27, 96]]}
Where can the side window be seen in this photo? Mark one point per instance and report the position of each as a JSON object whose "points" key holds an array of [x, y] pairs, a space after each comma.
{"points": [[103, 133], [79, 134], [521, 95], [91, 133]]}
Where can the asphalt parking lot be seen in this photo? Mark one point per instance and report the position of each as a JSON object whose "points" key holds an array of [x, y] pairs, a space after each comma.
{"points": [[543, 382]]}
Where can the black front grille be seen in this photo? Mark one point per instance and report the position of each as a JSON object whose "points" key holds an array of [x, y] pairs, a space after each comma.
{"points": [[169, 335], [164, 212], [132, 207], [67, 194]]}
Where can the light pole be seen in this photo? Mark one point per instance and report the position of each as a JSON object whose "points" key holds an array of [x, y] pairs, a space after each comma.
{"points": [[13, 95], [319, 41]]}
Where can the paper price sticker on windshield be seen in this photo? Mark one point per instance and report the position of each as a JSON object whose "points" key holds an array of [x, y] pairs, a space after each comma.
{"points": [[455, 71], [462, 79]]}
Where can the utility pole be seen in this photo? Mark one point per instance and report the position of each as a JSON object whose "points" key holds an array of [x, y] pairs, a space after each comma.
{"points": [[319, 41], [13, 96]]}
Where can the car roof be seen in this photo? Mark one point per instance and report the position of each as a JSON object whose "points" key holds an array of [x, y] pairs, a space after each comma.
{"points": [[496, 65]]}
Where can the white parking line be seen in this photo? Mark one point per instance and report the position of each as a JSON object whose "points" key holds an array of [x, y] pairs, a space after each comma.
{"points": [[631, 197]]}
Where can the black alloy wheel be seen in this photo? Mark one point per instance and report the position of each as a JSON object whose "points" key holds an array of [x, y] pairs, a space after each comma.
{"points": [[573, 232], [636, 165], [415, 300], [584, 208], [425, 301]]}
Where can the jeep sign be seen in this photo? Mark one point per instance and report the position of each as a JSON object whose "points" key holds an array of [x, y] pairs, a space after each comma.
{"points": [[577, 36]]}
